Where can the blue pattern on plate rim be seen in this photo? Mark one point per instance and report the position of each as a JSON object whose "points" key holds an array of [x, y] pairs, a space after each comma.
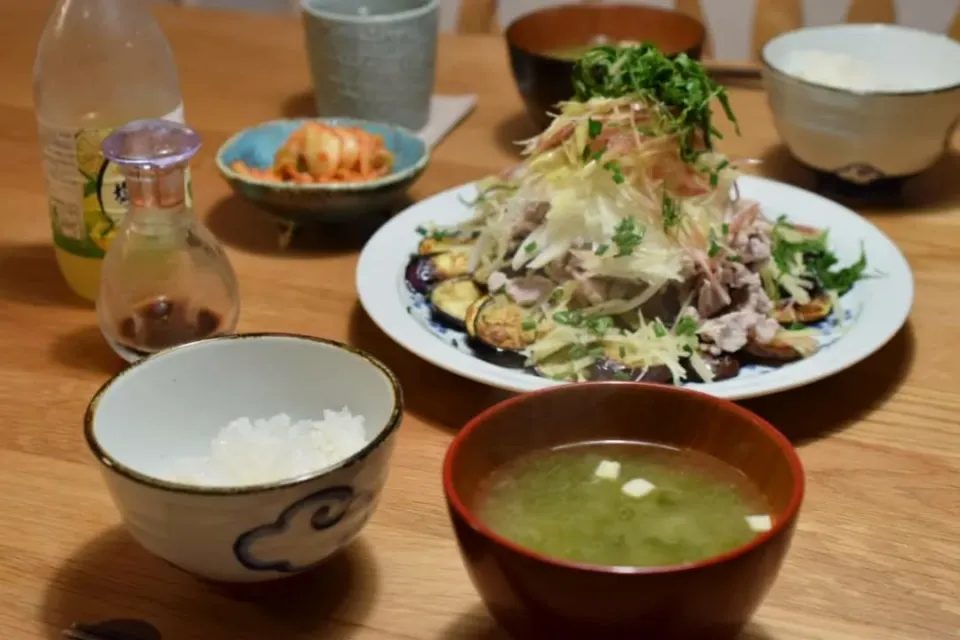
{"points": [[330, 505], [831, 329]]}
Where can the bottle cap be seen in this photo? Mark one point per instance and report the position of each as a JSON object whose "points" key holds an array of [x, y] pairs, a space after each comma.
{"points": [[151, 144], [152, 155]]}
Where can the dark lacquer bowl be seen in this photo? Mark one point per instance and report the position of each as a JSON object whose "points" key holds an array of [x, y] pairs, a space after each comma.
{"points": [[544, 80], [533, 596]]}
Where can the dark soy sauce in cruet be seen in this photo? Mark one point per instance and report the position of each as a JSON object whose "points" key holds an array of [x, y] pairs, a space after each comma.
{"points": [[162, 323]]}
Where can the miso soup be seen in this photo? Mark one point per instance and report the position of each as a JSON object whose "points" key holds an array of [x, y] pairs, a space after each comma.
{"points": [[575, 52], [570, 54], [623, 504]]}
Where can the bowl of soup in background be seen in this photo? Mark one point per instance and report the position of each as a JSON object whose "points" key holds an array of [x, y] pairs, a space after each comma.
{"points": [[544, 45], [580, 511]]}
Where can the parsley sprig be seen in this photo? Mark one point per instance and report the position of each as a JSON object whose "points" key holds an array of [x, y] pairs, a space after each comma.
{"points": [[627, 236], [816, 257]]}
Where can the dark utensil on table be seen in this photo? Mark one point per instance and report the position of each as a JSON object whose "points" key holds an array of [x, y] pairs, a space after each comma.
{"points": [[113, 630]]}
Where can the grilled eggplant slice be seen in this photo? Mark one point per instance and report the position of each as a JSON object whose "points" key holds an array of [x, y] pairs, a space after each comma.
{"points": [[420, 275], [723, 367], [450, 300], [499, 330], [432, 245], [451, 264], [816, 310], [423, 272], [612, 369], [783, 349]]}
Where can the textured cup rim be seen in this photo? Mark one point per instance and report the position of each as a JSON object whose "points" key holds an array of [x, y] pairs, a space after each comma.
{"points": [[428, 6]]}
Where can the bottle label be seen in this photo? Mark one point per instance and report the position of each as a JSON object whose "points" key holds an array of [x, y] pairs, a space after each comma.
{"points": [[87, 194]]}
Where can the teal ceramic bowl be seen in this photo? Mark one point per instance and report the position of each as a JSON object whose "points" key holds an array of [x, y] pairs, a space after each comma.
{"points": [[303, 203]]}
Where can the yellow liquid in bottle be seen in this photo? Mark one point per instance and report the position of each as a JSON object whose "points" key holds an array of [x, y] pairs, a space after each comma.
{"points": [[87, 195], [128, 73], [81, 274]]}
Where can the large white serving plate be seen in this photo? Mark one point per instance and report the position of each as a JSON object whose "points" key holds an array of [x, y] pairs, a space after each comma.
{"points": [[874, 310]]}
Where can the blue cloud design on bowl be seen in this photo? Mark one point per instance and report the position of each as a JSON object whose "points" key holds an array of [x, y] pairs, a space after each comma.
{"points": [[257, 145], [318, 512]]}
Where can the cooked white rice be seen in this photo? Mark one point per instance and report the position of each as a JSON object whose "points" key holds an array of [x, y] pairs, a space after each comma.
{"points": [[838, 70], [249, 452]]}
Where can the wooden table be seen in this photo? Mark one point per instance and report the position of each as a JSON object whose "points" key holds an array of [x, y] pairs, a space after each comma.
{"points": [[876, 556]]}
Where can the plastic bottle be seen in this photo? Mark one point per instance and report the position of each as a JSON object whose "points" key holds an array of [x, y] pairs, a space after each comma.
{"points": [[99, 65]]}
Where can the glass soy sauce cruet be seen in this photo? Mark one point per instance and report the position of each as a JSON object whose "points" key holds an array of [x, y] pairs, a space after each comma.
{"points": [[165, 280]]}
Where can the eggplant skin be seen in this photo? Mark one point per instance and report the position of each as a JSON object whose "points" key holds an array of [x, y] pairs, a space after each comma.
{"points": [[450, 301], [495, 326], [819, 308], [723, 367], [420, 275], [499, 357], [424, 272], [779, 351], [610, 369]]}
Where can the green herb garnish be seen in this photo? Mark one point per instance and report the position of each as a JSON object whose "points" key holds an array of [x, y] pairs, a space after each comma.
{"points": [[792, 248], [601, 249], [621, 375], [528, 325], [578, 351], [680, 85], [594, 127], [715, 172], [658, 329], [599, 324], [530, 247], [614, 168], [686, 326], [841, 280], [569, 318], [669, 211], [627, 235], [714, 246], [590, 155]]}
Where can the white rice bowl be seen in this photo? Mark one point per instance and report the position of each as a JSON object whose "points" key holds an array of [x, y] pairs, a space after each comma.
{"points": [[246, 458], [250, 452]]}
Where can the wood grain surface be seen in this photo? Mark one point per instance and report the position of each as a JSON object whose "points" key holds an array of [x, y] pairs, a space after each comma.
{"points": [[876, 555]]}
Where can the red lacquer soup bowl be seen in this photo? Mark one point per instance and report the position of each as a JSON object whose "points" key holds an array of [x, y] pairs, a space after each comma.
{"points": [[534, 596]]}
